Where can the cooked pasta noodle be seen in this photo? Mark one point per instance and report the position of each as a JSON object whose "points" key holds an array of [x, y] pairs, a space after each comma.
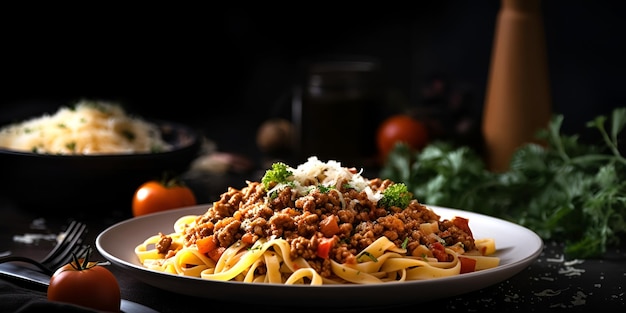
{"points": [[322, 227], [89, 127]]}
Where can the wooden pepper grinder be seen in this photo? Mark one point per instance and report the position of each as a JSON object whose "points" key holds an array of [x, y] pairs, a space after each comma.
{"points": [[518, 101]]}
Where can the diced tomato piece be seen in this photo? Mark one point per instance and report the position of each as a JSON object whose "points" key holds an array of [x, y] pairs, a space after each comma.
{"points": [[468, 265], [439, 252], [463, 224], [209, 246], [324, 247], [206, 244]]}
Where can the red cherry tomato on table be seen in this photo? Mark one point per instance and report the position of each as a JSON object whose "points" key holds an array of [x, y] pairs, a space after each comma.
{"points": [[87, 284], [400, 128], [154, 196]]}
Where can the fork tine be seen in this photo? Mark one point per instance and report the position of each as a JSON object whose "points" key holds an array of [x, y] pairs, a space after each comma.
{"points": [[62, 252], [61, 260], [70, 229]]}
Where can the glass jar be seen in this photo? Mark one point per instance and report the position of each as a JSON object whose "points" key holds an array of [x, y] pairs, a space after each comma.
{"points": [[337, 110]]}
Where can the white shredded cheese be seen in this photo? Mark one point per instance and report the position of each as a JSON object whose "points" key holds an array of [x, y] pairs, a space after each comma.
{"points": [[329, 174], [30, 238]]}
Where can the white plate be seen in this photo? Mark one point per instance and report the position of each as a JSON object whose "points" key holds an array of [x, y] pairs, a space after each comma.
{"points": [[516, 246]]}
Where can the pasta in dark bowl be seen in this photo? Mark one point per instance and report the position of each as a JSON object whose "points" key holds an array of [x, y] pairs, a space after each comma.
{"points": [[65, 182]]}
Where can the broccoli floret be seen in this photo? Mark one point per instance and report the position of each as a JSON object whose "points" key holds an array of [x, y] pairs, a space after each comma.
{"points": [[279, 173], [396, 195]]}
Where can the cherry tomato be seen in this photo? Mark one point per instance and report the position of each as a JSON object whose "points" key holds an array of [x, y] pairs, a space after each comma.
{"points": [[87, 284], [154, 196], [400, 128]]}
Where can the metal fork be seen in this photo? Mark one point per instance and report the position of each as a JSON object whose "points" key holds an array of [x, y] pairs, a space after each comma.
{"points": [[62, 253], [71, 244]]}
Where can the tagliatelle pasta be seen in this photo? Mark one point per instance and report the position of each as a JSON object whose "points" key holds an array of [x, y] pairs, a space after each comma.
{"points": [[319, 223]]}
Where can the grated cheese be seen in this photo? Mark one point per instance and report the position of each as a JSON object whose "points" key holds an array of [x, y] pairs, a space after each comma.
{"points": [[329, 174]]}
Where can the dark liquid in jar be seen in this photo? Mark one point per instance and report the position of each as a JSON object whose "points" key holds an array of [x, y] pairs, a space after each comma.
{"points": [[341, 109]]}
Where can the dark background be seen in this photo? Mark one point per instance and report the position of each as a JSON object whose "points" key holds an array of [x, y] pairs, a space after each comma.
{"points": [[226, 68]]}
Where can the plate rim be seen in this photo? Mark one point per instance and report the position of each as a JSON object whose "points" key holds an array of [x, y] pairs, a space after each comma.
{"points": [[430, 289]]}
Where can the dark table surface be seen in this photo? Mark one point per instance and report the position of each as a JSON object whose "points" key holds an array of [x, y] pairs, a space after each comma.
{"points": [[550, 283]]}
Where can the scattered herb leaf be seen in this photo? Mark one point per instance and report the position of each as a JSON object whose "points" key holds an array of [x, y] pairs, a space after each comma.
{"points": [[563, 190]]}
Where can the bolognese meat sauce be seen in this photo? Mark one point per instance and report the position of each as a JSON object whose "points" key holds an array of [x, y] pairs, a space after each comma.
{"points": [[329, 206]]}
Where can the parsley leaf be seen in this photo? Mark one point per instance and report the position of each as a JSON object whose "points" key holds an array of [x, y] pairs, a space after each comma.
{"points": [[396, 195], [563, 190], [279, 173]]}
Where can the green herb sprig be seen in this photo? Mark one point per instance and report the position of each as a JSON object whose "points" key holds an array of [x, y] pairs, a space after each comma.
{"points": [[396, 195], [279, 173], [564, 190]]}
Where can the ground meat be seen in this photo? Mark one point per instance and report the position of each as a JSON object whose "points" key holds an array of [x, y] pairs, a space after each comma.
{"points": [[282, 200], [306, 203], [253, 193], [393, 227], [307, 224], [227, 231], [303, 247], [164, 243], [252, 214], [452, 234], [280, 222]]}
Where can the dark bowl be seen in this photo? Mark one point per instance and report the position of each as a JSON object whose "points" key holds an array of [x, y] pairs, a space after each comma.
{"points": [[64, 183]]}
